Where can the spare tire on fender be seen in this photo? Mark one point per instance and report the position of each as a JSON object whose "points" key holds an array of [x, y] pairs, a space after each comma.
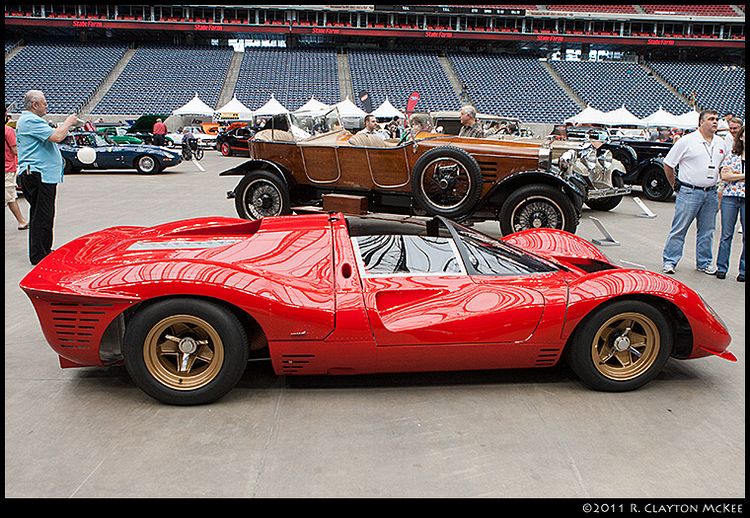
{"points": [[446, 181]]}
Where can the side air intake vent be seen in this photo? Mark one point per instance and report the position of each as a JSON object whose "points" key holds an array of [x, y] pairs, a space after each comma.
{"points": [[295, 363], [547, 357]]}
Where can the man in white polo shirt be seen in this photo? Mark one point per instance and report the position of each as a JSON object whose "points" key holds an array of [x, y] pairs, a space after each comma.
{"points": [[699, 156]]}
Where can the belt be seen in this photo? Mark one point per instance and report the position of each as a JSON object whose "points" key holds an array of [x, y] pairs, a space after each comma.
{"points": [[706, 189]]}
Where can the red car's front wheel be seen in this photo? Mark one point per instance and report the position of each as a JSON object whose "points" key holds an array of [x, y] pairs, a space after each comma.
{"points": [[621, 346]]}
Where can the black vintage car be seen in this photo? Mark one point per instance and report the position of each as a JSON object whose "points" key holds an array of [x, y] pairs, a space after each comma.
{"points": [[644, 165], [234, 142]]}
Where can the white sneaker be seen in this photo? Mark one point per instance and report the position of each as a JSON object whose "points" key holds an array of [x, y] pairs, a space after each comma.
{"points": [[708, 270], [668, 268]]}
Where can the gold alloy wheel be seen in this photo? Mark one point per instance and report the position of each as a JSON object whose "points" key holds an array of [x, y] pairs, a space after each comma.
{"points": [[625, 346], [183, 352]]}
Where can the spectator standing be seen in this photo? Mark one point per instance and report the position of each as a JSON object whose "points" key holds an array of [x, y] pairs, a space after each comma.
{"points": [[11, 174], [699, 156], [40, 167], [159, 131], [470, 126], [732, 204]]}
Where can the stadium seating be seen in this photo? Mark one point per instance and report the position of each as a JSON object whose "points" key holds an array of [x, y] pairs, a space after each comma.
{"points": [[607, 86], [68, 73], [716, 85], [695, 10], [513, 86], [292, 75], [159, 79], [624, 8], [396, 75]]}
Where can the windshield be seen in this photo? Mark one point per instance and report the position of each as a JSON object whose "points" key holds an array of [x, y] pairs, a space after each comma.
{"points": [[315, 123], [489, 256]]}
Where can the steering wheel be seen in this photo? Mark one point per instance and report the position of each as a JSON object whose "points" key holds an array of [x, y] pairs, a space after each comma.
{"points": [[406, 137]]}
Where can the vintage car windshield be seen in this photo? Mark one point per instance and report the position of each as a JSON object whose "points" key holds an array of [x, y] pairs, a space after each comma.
{"points": [[315, 123], [489, 256]]}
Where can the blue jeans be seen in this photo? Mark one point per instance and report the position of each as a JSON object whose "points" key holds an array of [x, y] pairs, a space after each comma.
{"points": [[730, 206], [698, 205]]}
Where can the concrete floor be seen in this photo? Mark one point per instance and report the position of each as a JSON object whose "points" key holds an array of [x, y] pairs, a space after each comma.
{"points": [[533, 433]]}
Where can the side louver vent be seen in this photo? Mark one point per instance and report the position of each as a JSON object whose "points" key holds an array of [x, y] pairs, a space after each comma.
{"points": [[76, 324], [547, 357], [295, 363]]}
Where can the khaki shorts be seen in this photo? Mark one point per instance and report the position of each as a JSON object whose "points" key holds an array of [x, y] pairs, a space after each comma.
{"points": [[10, 187]]}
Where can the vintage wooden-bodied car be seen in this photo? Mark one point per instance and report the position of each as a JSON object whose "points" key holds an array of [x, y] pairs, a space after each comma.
{"points": [[185, 304], [143, 158], [471, 179]]}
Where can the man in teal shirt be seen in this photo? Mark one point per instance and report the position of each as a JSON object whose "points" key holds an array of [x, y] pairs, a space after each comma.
{"points": [[40, 166]]}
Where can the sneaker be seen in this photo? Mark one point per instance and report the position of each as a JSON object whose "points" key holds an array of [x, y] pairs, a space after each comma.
{"points": [[708, 270], [721, 275], [668, 268], [741, 277]]}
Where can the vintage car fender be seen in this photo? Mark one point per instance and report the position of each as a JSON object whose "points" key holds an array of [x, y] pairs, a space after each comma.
{"points": [[635, 174], [249, 166], [573, 185]]}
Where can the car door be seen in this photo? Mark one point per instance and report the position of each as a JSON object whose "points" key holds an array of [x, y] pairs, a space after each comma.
{"points": [[417, 292]]}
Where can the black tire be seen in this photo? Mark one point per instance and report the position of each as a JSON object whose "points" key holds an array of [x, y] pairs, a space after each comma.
{"points": [[198, 153], [147, 164], [203, 359], [447, 181], [655, 184], [67, 166], [537, 205], [261, 194], [611, 202], [226, 149], [621, 346]]}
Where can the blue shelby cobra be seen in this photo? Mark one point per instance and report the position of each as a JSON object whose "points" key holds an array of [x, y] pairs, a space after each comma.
{"points": [[145, 159]]}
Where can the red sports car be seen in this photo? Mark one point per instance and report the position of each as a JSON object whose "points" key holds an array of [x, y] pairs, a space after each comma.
{"points": [[185, 305]]}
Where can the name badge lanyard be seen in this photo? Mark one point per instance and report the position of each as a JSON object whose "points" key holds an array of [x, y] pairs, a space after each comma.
{"points": [[710, 153]]}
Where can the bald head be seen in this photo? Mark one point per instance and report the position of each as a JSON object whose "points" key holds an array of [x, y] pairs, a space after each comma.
{"points": [[35, 102]]}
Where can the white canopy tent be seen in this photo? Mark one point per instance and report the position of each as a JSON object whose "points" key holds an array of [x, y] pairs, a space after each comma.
{"points": [[234, 110], [661, 118], [622, 117], [195, 107], [588, 115], [313, 105], [272, 107], [387, 111], [351, 115], [687, 120]]}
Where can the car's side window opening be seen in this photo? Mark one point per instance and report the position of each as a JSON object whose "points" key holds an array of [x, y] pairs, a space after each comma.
{"points": [[400, 255]]}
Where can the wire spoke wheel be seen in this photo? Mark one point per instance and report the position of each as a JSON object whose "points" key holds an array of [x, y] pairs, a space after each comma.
{"points": [[183, 352], [446, 183], [536, 212], [262, 198], [625, 346]]}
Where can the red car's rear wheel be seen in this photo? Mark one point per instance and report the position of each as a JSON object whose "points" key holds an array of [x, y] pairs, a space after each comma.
{"points": [[185, 351]]}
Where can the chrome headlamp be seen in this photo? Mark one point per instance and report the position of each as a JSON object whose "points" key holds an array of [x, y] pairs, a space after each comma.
{"points": [[588, 155], [605, 159], [566, 160]]}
